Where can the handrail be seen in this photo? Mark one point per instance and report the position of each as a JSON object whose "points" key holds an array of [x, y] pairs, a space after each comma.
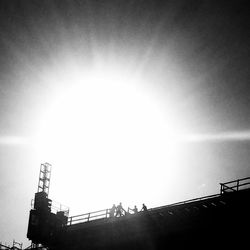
{"points": [[233, 186], [242, 179], [100, 214], [55, 207], [105, 213]]}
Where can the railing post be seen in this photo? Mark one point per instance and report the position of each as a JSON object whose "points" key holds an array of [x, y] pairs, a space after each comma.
{"points": [[237, 188], [88, 217]]}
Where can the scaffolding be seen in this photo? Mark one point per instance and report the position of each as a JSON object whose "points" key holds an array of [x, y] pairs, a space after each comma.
{"points": [[44, 178], [15, 246]]}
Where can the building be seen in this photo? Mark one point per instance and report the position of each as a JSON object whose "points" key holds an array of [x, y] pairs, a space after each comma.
{"points": [[219, 220]]}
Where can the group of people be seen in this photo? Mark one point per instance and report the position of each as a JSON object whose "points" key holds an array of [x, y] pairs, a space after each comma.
{"points": [[118, 211]]}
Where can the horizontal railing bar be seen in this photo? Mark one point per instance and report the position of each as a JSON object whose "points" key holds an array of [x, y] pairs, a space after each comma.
{"points": [[232, 188], [88, 218], [235, 186], [104, 210], [243, 184], [97, 215], [75, 218], [79, 219], [236, 180]]}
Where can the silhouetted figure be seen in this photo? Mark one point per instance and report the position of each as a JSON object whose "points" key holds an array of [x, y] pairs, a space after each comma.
{"points": [[126, 212], [135, 210], [119, 210], [112, 211], [144, 208]]}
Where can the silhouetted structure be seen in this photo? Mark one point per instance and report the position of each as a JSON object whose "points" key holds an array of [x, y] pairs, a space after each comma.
{"points": [[213, 221], [119, 210], [43, 224], [112, 211], [4, 247], [15, 246], [144, 207], [134, 210]]}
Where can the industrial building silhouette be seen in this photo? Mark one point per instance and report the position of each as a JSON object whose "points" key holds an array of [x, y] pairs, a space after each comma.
{"points": [[219, 220], [215, 221]]}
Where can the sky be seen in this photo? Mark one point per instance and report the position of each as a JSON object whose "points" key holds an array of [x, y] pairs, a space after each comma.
{"points": [[129, 101]]}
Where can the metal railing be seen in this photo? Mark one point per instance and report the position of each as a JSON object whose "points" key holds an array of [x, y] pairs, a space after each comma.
{"points": [[58, 207], [234, 186], [15, 246], [105, 213], [230, 186], [3, 247], [101, 214], [55, 207]]}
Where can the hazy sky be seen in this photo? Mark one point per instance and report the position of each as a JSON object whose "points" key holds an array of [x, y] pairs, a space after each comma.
{"points": [[130, 101]]}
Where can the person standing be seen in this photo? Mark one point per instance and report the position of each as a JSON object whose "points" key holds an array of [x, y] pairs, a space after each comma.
{"points": [[119, 210], [144, 208], [135, 210], [112, 211]]}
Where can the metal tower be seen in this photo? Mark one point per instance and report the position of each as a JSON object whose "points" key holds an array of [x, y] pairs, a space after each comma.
{"points": [[44, 178]]}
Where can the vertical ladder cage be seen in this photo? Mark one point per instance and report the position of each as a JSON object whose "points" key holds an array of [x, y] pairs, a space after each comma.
{"points": [[44, 178]]}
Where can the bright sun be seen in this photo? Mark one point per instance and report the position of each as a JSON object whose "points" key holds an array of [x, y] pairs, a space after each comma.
{"points": [[108, 141]]}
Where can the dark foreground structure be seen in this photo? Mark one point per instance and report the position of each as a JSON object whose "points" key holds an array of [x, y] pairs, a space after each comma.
{"points": [[220, 220]]}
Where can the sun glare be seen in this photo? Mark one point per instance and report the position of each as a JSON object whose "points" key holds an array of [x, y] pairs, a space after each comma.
{"points": [[108, 141]]}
